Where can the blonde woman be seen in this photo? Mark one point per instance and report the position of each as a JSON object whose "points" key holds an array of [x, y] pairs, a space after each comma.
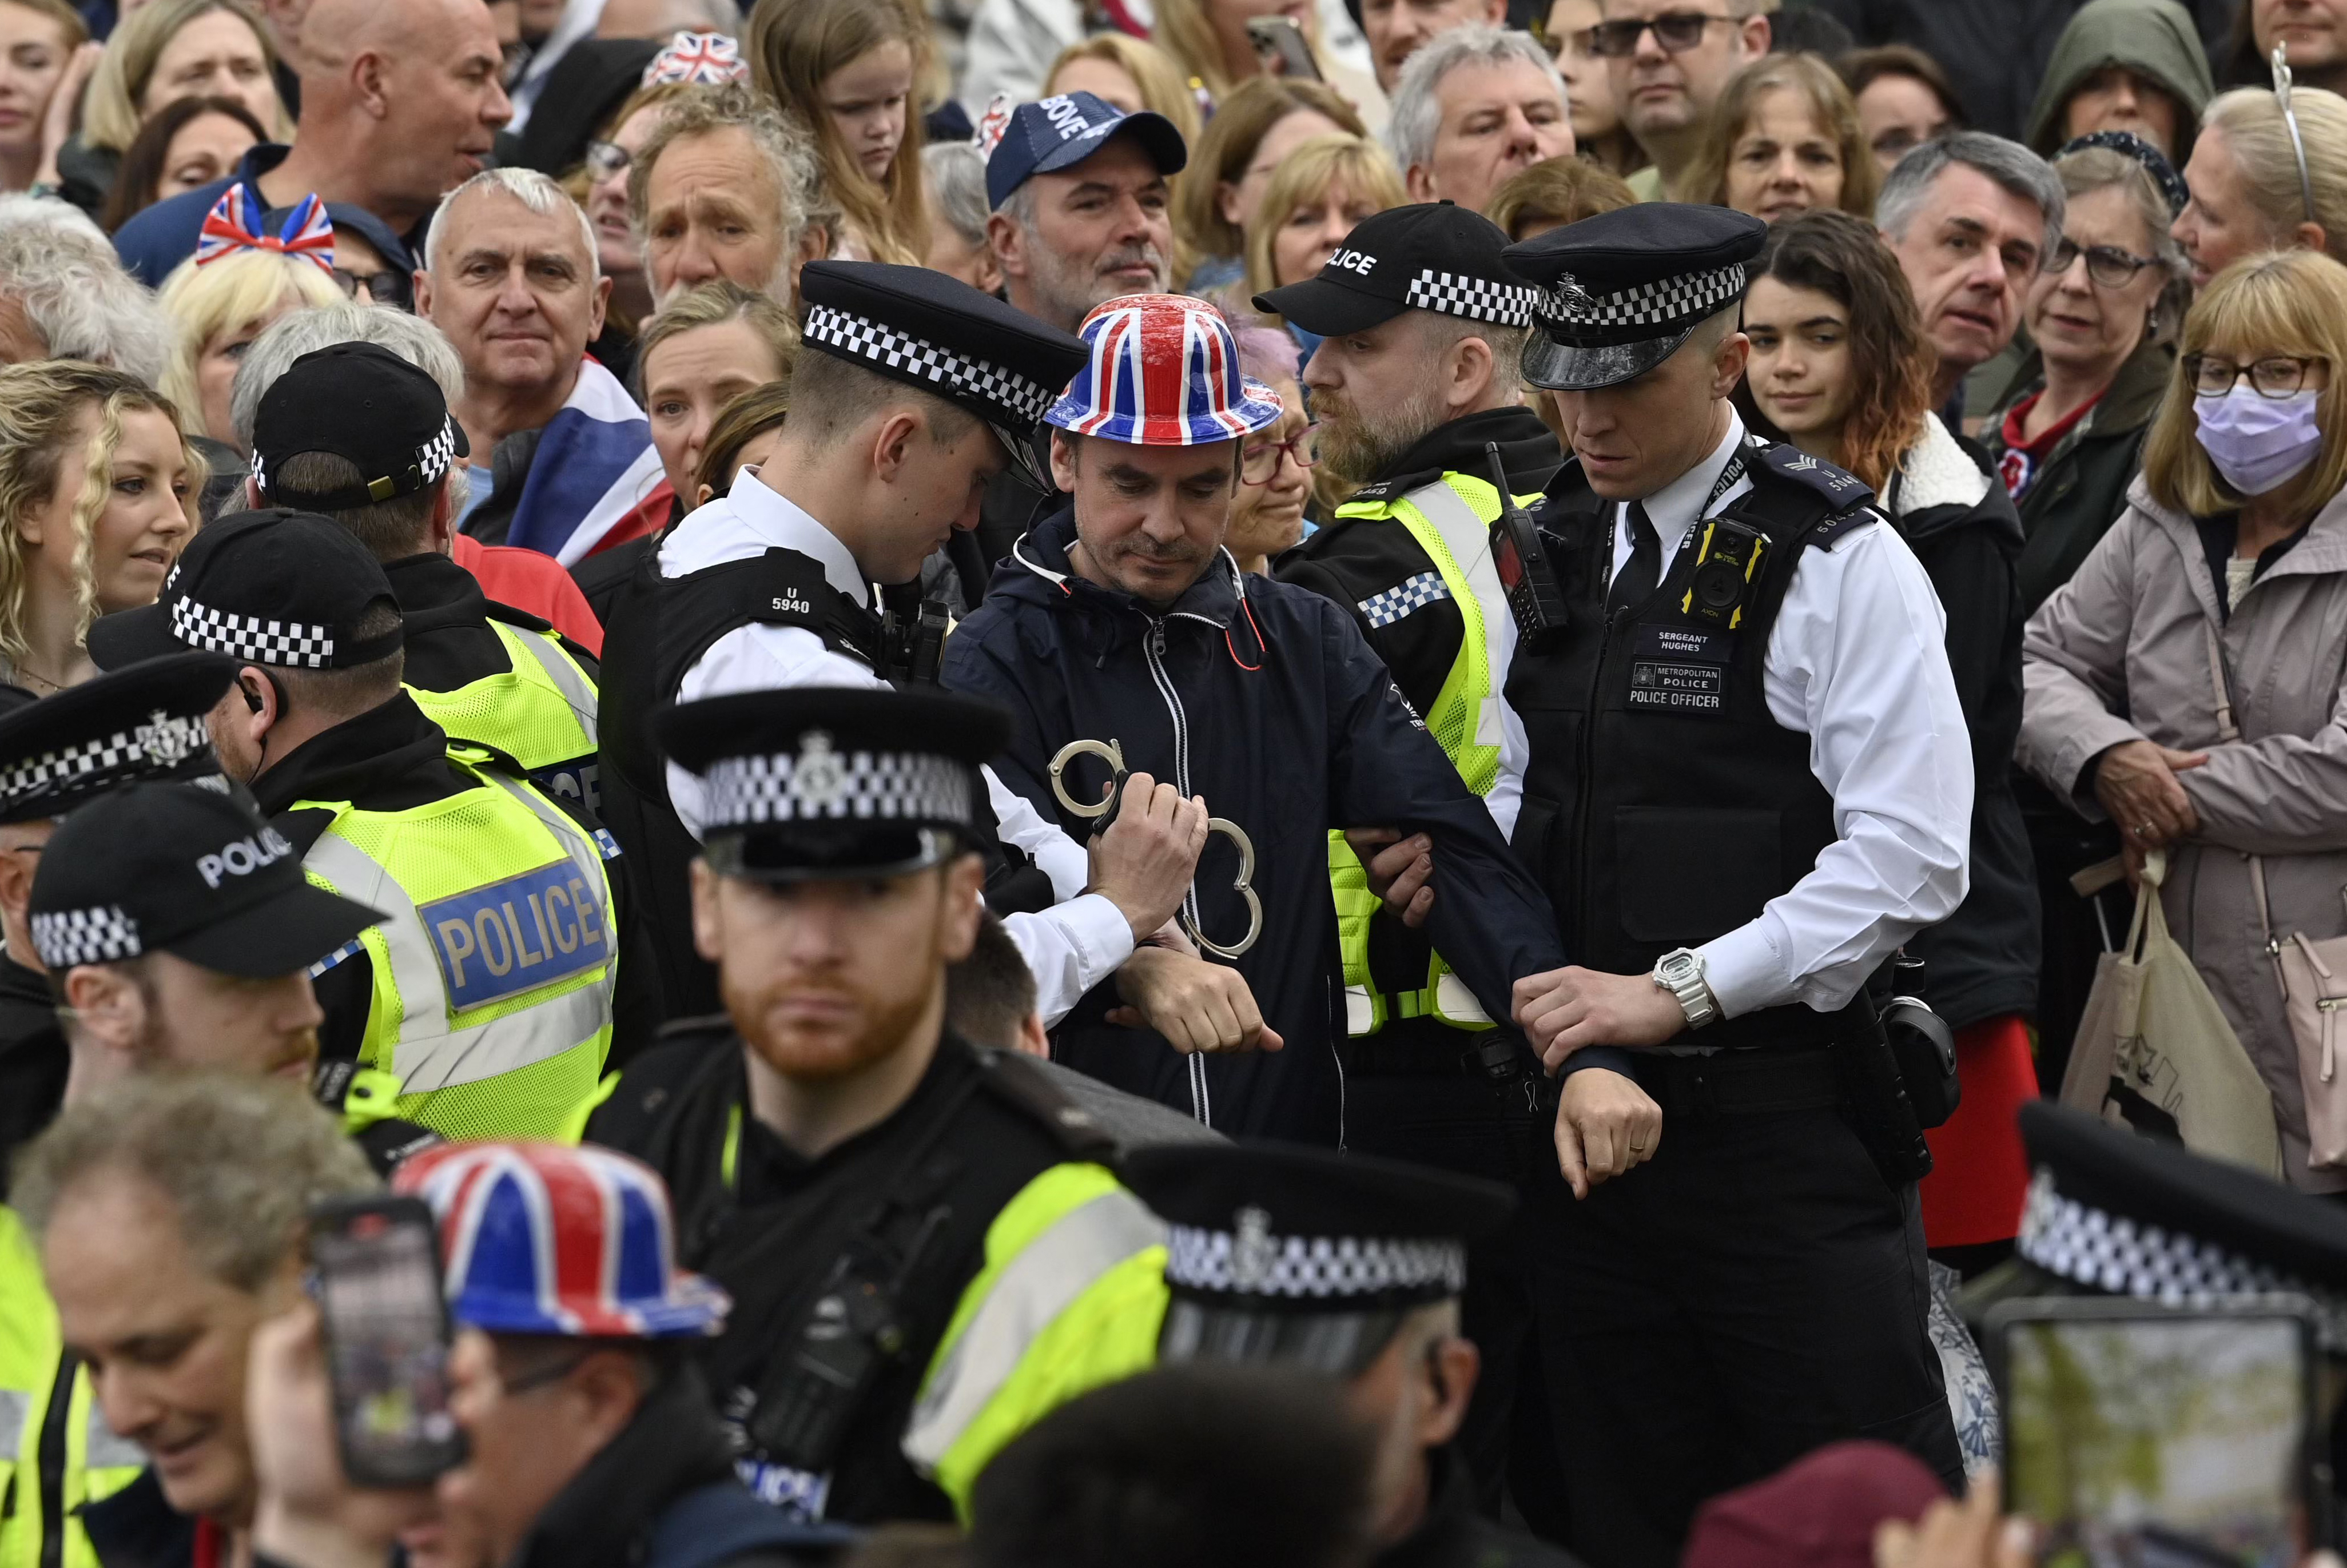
{"points": [[2245, 180], [847, 69], [167, 50], [1231, 163], [2234, 542], [1323, 188], [707, 346], [98, 493], [1784, 138], [219, 306]]}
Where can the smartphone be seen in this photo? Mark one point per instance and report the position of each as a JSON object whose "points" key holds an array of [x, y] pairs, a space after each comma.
{"points": [[1280, 43], [387, 1338], [2138, 1435]]}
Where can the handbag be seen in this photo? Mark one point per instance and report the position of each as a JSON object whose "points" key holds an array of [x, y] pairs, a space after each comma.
{"points": [[2312, 975]]}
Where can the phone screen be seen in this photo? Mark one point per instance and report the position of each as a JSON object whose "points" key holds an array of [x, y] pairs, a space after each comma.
{"points": [[2174, 1440], [387, 1343]]}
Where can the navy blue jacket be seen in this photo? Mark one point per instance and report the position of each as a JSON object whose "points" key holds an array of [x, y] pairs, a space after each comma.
{"points": [[1265, 699], [164, 235]]}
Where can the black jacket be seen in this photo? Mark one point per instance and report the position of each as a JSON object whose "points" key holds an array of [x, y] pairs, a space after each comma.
{"points": [[1454, 1535], [1982, 962], [393, 758], [1263, 698], [449, 640], [32, 1059], [672, 1457]]}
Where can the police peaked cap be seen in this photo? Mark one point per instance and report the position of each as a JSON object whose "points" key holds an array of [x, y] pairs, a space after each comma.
{"points": [[1619, 293], [1431, 257], [830, 781], [141, 724]]}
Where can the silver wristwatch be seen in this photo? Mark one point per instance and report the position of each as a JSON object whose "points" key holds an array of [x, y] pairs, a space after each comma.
{"points": [[1680, 972]]}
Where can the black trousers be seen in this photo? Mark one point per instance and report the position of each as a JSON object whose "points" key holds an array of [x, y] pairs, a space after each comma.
{"points": [[1754, 1291], [1453, 1123]]}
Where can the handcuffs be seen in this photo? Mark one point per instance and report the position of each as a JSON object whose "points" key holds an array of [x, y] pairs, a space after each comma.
{"points": [[1112, 752]]}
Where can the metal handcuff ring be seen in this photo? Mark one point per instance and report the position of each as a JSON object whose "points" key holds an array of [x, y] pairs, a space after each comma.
{"points": [[1112, 753]]}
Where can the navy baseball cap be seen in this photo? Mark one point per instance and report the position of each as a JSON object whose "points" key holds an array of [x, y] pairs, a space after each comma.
{"points": [[1062, 131]]}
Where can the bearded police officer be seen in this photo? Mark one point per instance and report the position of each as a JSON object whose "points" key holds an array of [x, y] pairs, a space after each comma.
{"points": [[1415, 385], [899, 1216], [356, 434], [487, 992], [1349, 1266], [1748, 782], [912, 390]]}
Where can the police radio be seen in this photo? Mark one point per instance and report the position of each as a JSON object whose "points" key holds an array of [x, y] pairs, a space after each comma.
{"points": [[913, 640], [1724, 571], [1533, 597]]}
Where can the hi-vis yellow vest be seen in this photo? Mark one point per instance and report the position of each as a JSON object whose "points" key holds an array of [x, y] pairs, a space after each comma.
{"points": [[540, 712], [52, 1460], [494, 971], [1451, 521]]}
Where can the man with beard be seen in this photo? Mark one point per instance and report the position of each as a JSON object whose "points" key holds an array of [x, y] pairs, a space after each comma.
{"points": [[900, 1217], [1082, 214], [1122, 622], [1415, 382]]}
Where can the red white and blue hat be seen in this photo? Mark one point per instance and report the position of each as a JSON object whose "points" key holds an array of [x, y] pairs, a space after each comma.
{"points": [[1162, 369], [541, 1238]]}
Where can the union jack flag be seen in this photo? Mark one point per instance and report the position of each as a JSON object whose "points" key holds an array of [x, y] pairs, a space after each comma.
{"points": [[1163, 371], [701, 57], [993, 124], [234, 225], [541, 1238]]}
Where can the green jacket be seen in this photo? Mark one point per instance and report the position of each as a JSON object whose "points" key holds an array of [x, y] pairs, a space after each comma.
{"points": [[2082, 488], [2153, 38]]}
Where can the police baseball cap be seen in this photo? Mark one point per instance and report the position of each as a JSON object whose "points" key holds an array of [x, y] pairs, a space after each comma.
{"points": [[139, 725], [1619, 293], [179, 870], [1431, 257], [1060, 132], [1306, 1257], [362, 403], [940, 334], [283, 587], [824, 783]]}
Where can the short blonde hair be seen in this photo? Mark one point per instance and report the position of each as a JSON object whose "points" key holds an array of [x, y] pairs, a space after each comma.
{"points": [[110, 116], [2259, 139], [1308, 174], [204, 300], [41, 406], [1813, 81], [1558, 191], [714, 304], [2280, 303]]}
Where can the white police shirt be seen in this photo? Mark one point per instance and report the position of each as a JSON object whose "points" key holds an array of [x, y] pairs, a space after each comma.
{"points": [[1858, 661], [1071, 947]]}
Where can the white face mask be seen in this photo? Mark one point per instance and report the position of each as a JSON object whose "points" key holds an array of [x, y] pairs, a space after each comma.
{"points": [[2258, 444]]}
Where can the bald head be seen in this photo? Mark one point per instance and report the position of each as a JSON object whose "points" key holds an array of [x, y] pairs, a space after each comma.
{"points": [[410, 88]]}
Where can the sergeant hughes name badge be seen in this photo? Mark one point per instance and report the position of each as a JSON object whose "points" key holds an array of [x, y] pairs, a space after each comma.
{"points": [[1679, 669]]}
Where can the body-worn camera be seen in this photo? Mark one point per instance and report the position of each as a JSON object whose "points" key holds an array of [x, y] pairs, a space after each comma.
{"points": [[1534, 600], [1724, 571]]}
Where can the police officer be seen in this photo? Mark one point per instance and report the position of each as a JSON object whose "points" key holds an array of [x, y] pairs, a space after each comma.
{"points": [[56, 755], [356, 434], [911, 390], [1748, 782], [487, 992], [899, 1216], [1414, 383], [1350, 1266]]}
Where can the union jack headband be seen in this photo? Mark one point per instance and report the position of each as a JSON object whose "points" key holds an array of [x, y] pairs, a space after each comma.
{"points": [[234, 226], [703, 58]]}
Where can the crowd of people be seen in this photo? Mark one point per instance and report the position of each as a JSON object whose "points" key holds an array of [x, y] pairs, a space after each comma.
{"points": [[1370, 782]]}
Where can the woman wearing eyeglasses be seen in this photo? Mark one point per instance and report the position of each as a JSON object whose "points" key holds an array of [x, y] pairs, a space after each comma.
{"points": [[2233, 546], [2069, 436], [1275, 464]]}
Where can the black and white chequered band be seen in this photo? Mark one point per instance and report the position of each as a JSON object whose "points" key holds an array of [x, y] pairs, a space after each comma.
{"points": [[819, 783], [1017, 400], [2118, 1257], [1325, 1268], [68, 937], [1665, 304], [1382, 609], [287, 642], [160, 743], [1478, 299], [432, 460]]}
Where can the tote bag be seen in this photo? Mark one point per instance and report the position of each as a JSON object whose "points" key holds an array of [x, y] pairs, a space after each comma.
{"points": [[2155, 1054]]}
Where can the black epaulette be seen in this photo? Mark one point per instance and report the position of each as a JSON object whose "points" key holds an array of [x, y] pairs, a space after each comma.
{"points": [[1018, 1082], [1841, 526], [498, 609], [1840, 489], [388, 1143], [646, 1085]]}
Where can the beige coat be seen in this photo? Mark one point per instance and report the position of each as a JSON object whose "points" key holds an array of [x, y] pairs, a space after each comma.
{"points": [[2121, 653]]}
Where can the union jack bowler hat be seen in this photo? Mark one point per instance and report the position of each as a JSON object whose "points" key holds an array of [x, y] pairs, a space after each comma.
{"points": [[1616, 294], [1162, 370], [543, 1238]]}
